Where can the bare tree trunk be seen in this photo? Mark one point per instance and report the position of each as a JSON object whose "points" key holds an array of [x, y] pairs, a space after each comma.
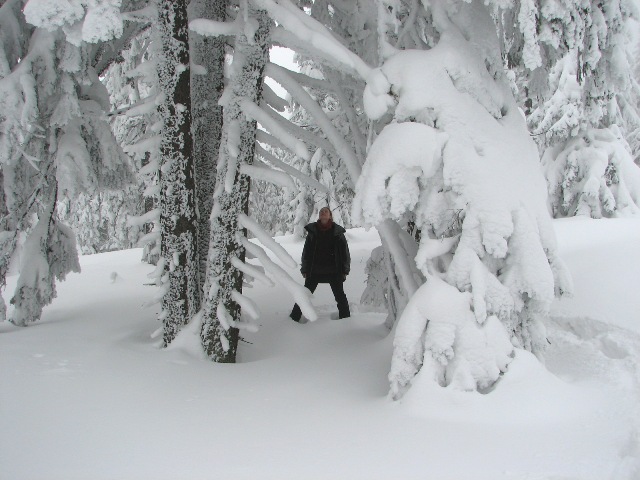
{"points": [[178, 222], [220, 312]]}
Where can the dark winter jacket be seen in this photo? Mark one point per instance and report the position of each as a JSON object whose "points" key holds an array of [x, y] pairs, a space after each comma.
{"points": [[325, 253]]}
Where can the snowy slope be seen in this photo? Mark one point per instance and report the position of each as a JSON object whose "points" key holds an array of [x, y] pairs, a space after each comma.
{"points": [[87, 394]]}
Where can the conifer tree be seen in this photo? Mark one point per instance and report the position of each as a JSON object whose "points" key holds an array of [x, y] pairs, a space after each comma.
{"points": [[574, 65], [178, 222], [484, 246], [207, 84], [54, 142], [221, 309]]}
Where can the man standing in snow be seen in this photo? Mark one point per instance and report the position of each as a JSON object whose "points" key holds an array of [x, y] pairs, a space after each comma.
{"points": [[325, 259]]}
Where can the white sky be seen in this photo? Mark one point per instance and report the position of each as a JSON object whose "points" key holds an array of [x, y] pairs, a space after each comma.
{"points": [[283, 57]]}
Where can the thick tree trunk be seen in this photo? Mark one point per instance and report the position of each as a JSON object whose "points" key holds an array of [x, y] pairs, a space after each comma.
{"points": [[219, 337], [206, 89], [178, 222]]}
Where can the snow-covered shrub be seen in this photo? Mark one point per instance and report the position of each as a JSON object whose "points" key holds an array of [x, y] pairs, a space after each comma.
{"points": [[459, 157], [48, 255]]}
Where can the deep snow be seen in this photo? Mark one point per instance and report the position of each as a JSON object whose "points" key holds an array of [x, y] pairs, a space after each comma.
{"points": [[87, 394]]}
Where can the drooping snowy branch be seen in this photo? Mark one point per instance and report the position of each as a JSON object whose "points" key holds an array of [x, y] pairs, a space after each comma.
{"points": [[344, 150], [305, 135], [212, 28], [300, 294], [256, 113], [290, 170], [310, 31], [260, 171], [266, 239], [81, 21], [274, 101]]}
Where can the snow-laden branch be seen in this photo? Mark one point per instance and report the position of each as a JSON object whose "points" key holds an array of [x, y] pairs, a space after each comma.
{"points": [[267, 240], [294, 172], [260, 171], [252, 271], [247, 305], [157, 272], [151, 216], [226, 321], [403, 157], [301, 295], [409, 23], [307, 136], [431, 248], [213, 28], [359, 139], [146, 107], [256, 113], [312, 82], [149, 144], [272, 99], [144, 15], [149, 238], [345, 151], [284, 38], [91, 22], [266, 138], [152, 190], [314, 33]]}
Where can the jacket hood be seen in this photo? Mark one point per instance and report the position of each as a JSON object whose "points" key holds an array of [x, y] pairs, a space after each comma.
{"points": [[312, 228]]}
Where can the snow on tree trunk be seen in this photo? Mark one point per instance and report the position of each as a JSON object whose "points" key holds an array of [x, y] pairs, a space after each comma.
{"points": [[178, 220], [458, 156], [206, 88], [231, 198]]}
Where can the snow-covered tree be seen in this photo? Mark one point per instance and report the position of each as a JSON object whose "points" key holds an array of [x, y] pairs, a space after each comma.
{"points": [[574, 65], [178, 219], [266, 202], [54, 142], [450, 152], [246, 102], [134, 90], [207, 84], [132, 85], [221, 305], [458, 154]]}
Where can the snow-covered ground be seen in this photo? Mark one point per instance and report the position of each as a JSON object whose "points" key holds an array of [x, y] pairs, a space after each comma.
{"points": [[87, 394]]}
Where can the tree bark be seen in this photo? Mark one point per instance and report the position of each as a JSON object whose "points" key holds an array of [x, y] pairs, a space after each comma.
{"points": [[206, 89], [220, 338], [178, 222]]}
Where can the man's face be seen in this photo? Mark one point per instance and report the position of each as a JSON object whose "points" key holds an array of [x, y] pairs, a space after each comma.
{"points": [[325, 215]]}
